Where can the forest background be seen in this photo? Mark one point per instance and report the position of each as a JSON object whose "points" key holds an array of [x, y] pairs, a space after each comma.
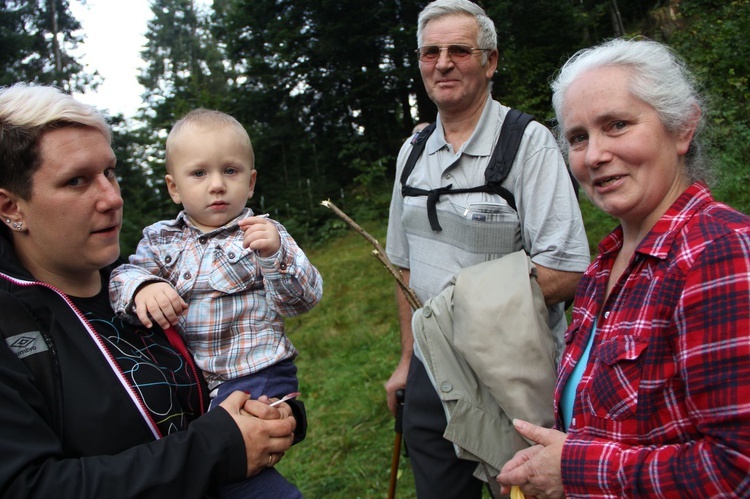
{"points": [[328, 91]]}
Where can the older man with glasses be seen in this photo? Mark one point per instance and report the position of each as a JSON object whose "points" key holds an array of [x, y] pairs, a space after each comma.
{"points": [[457, 51]]}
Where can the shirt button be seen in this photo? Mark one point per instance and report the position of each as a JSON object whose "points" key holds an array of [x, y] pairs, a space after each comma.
{"points": [[447, 176], [202, 240], [446, 386], [606, 314], [168, 259], [282, 266], [231, 254], [572, 422], [187, 275], [426, 311]]}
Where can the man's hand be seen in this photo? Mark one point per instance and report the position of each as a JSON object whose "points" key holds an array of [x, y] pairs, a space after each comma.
{"points": [[158, 301], [261, 235], [396, 382]]}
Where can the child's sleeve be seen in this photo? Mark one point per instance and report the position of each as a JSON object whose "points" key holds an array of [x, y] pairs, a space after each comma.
{"points": [[292, 282], [127, 278]]}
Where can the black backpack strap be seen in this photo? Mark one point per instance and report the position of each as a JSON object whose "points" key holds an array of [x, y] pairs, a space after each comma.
{"points": [[418, 143], [498, 167], [511, 133], [28, 341], [505, 152]]}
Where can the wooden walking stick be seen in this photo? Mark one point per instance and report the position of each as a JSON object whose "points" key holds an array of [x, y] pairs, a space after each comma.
{"points": [[397, 443], [378, 253], [411, 298]]}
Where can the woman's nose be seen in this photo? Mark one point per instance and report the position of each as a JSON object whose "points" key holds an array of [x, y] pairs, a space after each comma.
{"points": [[110, 199], [597, 151]]}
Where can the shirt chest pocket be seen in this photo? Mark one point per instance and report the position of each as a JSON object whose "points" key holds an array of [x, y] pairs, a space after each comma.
{"points": [[616, 377], [172, 262], [234, 270]]}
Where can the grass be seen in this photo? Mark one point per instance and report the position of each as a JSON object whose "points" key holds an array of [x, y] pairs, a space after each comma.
{"points": [[349, 346]]}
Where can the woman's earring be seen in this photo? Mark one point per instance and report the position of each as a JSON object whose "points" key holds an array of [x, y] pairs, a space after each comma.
{"points": [[17, 225], [7, 220]]}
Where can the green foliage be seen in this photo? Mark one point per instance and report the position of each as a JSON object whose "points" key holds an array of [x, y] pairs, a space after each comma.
{"points": [[598, 224], [145, 196], [733, 186], [349, 345], [535, 38], [323, 88], [714, 41], [328, 90]]}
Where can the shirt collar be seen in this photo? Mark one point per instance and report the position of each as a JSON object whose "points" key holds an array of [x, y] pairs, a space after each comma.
{"points": [[661, 237], [182, 220], [482, 139]]}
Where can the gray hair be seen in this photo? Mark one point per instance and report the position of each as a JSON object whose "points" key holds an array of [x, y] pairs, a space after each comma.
{"points": [[207, 118], [487, 37], [26, 112], [658, 77]]}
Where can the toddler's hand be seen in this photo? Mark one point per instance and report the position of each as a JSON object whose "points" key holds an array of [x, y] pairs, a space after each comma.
{"points": [[158, 301], [261, 235]]}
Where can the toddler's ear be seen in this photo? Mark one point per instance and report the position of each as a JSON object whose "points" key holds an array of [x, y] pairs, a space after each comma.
{"points": [[253, 178], [172, 189]]}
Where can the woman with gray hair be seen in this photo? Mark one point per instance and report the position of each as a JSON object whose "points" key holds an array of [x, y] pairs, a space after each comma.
{"points": [[651, 397]]}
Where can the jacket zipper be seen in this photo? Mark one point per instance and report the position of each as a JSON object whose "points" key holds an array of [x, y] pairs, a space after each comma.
{"points": [[140, 405]]}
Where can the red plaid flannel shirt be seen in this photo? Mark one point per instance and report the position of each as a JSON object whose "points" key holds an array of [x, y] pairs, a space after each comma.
{"points": [[663, 408]]}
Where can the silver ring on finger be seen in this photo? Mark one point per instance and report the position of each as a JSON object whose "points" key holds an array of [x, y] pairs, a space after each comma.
{"points": [[270, 461]]}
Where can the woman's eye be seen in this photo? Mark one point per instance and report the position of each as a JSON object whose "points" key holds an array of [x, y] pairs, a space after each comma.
{"points": [[619, 125], [576, 139]]}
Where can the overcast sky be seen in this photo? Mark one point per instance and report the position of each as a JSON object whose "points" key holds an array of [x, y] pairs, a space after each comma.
{"points": [[114, 31]]}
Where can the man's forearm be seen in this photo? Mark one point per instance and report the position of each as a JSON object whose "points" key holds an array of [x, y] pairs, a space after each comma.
{"points": [[405, 313], [557, 285]]}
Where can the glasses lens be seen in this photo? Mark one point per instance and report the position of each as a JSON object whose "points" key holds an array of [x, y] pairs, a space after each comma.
{"points": [[429, 52], [459, 52]]}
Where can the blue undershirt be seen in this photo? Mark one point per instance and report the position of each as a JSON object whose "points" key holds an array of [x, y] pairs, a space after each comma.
{"points": [[568, 397]]}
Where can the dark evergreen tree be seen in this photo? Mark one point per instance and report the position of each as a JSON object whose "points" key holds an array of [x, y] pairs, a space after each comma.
{"points": [[36, 40]]}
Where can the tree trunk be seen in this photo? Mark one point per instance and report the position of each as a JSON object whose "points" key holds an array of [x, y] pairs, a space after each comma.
{"points": [[56, 46], [617, 25]]}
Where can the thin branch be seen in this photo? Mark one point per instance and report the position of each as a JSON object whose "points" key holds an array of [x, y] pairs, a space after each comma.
{"points": [[411, 297], [378, 253]]}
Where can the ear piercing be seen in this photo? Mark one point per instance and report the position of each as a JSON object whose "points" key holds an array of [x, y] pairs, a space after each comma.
{"points": [[14, 225]]}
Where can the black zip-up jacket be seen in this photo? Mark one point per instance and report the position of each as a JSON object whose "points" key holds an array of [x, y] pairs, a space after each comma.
{"points": [[97, 443]]}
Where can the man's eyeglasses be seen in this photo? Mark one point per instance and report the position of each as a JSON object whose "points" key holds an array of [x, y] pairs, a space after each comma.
{"points": [[457, 53]]}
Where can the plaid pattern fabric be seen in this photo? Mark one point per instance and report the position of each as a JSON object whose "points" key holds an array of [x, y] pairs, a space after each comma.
{"points": [[236, 299], [663, 408]]}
